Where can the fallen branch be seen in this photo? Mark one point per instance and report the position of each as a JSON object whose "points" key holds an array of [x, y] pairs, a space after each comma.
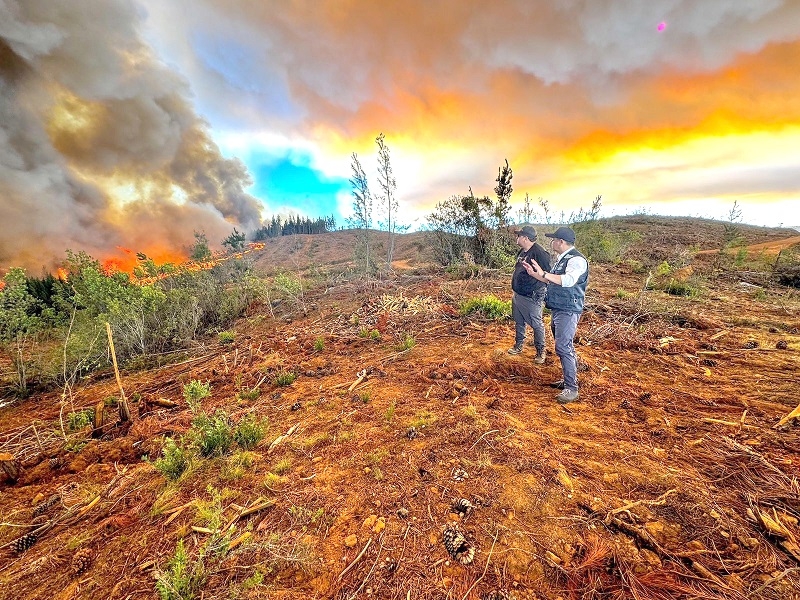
{"points": [[795, 414], [246, 512], [660, 501], [280, 438], [483, 436], [362, 374], [729, 423], [356, 559], [775, 579], [485, 568]]}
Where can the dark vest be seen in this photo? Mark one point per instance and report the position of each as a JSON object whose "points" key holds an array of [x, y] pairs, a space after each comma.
{"points": [[569, 299]]}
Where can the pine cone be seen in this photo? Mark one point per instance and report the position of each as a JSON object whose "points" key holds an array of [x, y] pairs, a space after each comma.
{"points": [[457, 545], [498, 595], [21, 544], [462, 506], [82, 560], [44, 507]]}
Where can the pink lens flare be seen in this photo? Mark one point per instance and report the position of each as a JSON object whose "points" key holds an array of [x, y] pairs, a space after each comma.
{"points": [[662, 26]]}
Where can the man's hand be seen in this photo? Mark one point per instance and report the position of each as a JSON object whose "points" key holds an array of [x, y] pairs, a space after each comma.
{"points": [[533, 269]]}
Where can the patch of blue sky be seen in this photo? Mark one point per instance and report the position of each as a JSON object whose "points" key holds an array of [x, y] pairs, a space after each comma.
{"points": [[291, 181]]}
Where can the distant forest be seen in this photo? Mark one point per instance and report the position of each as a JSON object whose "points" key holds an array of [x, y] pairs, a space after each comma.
{"points": [[292, 226]]}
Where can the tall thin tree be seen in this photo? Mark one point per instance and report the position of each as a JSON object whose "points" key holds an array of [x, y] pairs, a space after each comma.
{"points": [[388, 199], [362, 212]]}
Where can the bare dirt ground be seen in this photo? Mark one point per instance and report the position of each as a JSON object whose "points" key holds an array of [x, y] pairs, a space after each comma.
{"points": [[675, 476]]}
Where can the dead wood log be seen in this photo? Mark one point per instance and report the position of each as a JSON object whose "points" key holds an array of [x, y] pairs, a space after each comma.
{"points": [[10, 466], [644, 538], [124, 410], [163, 402], [99, 419]]}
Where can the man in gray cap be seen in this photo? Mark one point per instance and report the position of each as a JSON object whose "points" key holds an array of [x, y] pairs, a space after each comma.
{"points": [[566, 290], [527, 303]]}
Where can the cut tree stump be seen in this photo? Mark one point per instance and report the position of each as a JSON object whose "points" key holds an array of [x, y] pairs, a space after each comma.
{"points": [[10, 466]]}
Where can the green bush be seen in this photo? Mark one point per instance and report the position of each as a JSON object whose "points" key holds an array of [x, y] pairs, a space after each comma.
{"points": [[211, 435], [681, 288], [663, 269], [183, 578], [369, 334], [319, 344], [250, 431], [174, 460], [226, 337], [80, 419], [407, 342], [601, 245], [249, 395], [194, 392], [489, 306], [285, 378]]}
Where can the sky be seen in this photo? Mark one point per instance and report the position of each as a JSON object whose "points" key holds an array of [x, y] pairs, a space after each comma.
{"points": [[133, 124]]}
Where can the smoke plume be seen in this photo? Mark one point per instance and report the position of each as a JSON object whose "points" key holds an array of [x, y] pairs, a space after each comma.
{"points": [[100, 146]]}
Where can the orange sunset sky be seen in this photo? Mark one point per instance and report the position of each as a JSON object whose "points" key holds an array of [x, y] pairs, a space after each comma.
{"points": [[134, 123]]}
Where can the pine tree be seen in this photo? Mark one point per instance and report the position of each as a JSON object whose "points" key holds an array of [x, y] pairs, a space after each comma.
{"points": [[362, 213], [388, 200]]}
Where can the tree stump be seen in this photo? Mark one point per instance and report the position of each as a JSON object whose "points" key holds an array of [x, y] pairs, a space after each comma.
{"points": [[10, 467]]}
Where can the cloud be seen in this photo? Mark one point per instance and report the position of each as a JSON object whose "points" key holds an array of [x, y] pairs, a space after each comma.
{"points": [[120, 120], [88, 110]]}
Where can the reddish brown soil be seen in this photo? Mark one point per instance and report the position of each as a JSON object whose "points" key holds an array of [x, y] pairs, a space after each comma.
{"points": [[671, 478]]}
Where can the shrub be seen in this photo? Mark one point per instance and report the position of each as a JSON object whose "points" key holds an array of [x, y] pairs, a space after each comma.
{"points": [[226, 337], [174, 460], [80, 419], [212, 436], [636, 266], [390, 411], [194, 392], [369, 334], [663, 269], [285, 378], [282, 466], [681, 288], [183, 577], [407, 342], [249, 395], [250, 431], [601, 245], [489, 306], [319, 344]]}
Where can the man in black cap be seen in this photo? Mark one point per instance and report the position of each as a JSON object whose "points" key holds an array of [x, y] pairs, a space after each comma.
{"points": [[566, 290], [527, 303]]}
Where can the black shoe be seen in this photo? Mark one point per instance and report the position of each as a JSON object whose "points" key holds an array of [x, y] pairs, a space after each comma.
{"points": [[559, 385]]}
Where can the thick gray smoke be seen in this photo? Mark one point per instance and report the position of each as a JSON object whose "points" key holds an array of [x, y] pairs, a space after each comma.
{"points": [[99, 144]]}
